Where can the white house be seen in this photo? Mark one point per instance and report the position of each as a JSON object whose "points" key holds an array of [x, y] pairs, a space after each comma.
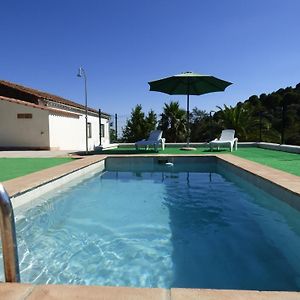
{"points": [[31, 119]]}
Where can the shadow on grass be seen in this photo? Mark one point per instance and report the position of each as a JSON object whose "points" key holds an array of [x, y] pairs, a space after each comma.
{"points": [[151, 151], [125, 151], [215, 150], [170, 151]]}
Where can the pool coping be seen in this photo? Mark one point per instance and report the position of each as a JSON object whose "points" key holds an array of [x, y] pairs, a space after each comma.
{"points": [[20, 291], [283, 179], [20, 185], [273, 179]]}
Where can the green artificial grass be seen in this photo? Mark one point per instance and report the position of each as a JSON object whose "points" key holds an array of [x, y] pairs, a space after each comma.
{"points": [[288, 162], [126, 150], [16, 167]]}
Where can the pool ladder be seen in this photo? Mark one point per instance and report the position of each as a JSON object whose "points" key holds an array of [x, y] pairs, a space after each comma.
{"points": [[8, 238]]}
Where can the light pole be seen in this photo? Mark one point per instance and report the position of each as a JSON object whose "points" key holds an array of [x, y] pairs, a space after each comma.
{"points": [[81, 73]]}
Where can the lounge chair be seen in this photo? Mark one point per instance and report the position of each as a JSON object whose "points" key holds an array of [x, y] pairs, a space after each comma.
{"points": [[226, 139], [155, 139]]}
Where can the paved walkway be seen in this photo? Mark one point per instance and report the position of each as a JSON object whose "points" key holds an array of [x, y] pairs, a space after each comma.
{"points": [[36, 153]]}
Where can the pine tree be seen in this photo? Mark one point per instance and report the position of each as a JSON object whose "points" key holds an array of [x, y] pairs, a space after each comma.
{"points": [[138, 126]]}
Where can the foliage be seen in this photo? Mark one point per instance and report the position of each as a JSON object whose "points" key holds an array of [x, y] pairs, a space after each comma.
{"points": [[203, 126], [173, 123], [138, 126], [235, 118], [113, 136], [150, 121], [273, 117]]}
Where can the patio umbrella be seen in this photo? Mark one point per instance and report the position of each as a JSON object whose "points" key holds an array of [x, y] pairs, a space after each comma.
{"points": [[189, 83]]}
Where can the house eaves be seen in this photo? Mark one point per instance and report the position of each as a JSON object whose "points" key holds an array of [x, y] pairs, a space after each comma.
{"points": [[41, 98], [51, 110]]}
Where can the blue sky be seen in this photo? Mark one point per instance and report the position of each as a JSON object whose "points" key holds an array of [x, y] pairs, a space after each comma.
{"points": [[126, 43]]}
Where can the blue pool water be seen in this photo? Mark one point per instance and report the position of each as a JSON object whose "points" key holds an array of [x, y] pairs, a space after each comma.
{"points": [[164, 228]]}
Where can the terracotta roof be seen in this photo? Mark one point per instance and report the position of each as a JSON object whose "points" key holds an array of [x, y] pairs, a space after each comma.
{"points": [[53, 110], [43, 95]]}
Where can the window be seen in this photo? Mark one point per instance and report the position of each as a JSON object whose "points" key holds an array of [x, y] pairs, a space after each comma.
{"points": [[89, 130], [24, 116], [102, 130]]}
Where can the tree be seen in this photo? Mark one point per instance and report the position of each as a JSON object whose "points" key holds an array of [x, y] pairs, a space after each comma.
{"points": [[290, 126], [112, 134], [238, 118], [269, 117], [138, 126], [150, 121], [173, 122], [202, 126]]}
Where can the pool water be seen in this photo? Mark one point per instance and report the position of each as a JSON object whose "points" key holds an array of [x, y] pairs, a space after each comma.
{"points": [[166, 228]]}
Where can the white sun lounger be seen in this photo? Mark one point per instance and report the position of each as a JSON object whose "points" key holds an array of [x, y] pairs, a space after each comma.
{"points": [[155, 139], [226, 139]]}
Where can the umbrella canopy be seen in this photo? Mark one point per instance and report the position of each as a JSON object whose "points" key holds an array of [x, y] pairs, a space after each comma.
{"points": [[189, 83]]}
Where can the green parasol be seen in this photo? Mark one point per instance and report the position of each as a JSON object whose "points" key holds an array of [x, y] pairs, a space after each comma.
{"points": [[189, 83]]}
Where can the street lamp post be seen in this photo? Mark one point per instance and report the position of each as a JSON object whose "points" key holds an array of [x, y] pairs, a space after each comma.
{"points": [[81, 73]]}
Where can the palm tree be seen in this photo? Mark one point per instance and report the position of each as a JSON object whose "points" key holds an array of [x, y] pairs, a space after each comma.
{"points": [[249, 122], [173, 122], [238, 118]]}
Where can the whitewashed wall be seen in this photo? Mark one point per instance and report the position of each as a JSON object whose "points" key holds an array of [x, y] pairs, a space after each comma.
{"points": [[106, 139], [47, 130], [23, 133], [68, 133]]}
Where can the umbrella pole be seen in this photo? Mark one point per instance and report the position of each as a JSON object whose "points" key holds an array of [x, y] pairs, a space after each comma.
{"points": [[188, 120], [187, 147]]}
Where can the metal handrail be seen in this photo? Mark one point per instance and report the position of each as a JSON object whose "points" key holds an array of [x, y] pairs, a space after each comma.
{"points": [[8, 238]]}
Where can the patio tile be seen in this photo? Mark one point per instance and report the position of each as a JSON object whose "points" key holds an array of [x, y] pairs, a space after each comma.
{"points": [[203, 294], [21, 184], [280, 178], [15, 291], [68, 292]]}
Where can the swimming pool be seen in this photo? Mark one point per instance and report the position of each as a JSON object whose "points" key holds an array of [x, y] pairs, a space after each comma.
{"points": [[144, 224]]}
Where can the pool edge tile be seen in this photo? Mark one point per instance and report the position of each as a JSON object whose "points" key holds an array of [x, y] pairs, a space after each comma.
{"points": [[15, 291], [24, 183], [210, 294], [21, 291], [280, 178], [68, 292]]}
